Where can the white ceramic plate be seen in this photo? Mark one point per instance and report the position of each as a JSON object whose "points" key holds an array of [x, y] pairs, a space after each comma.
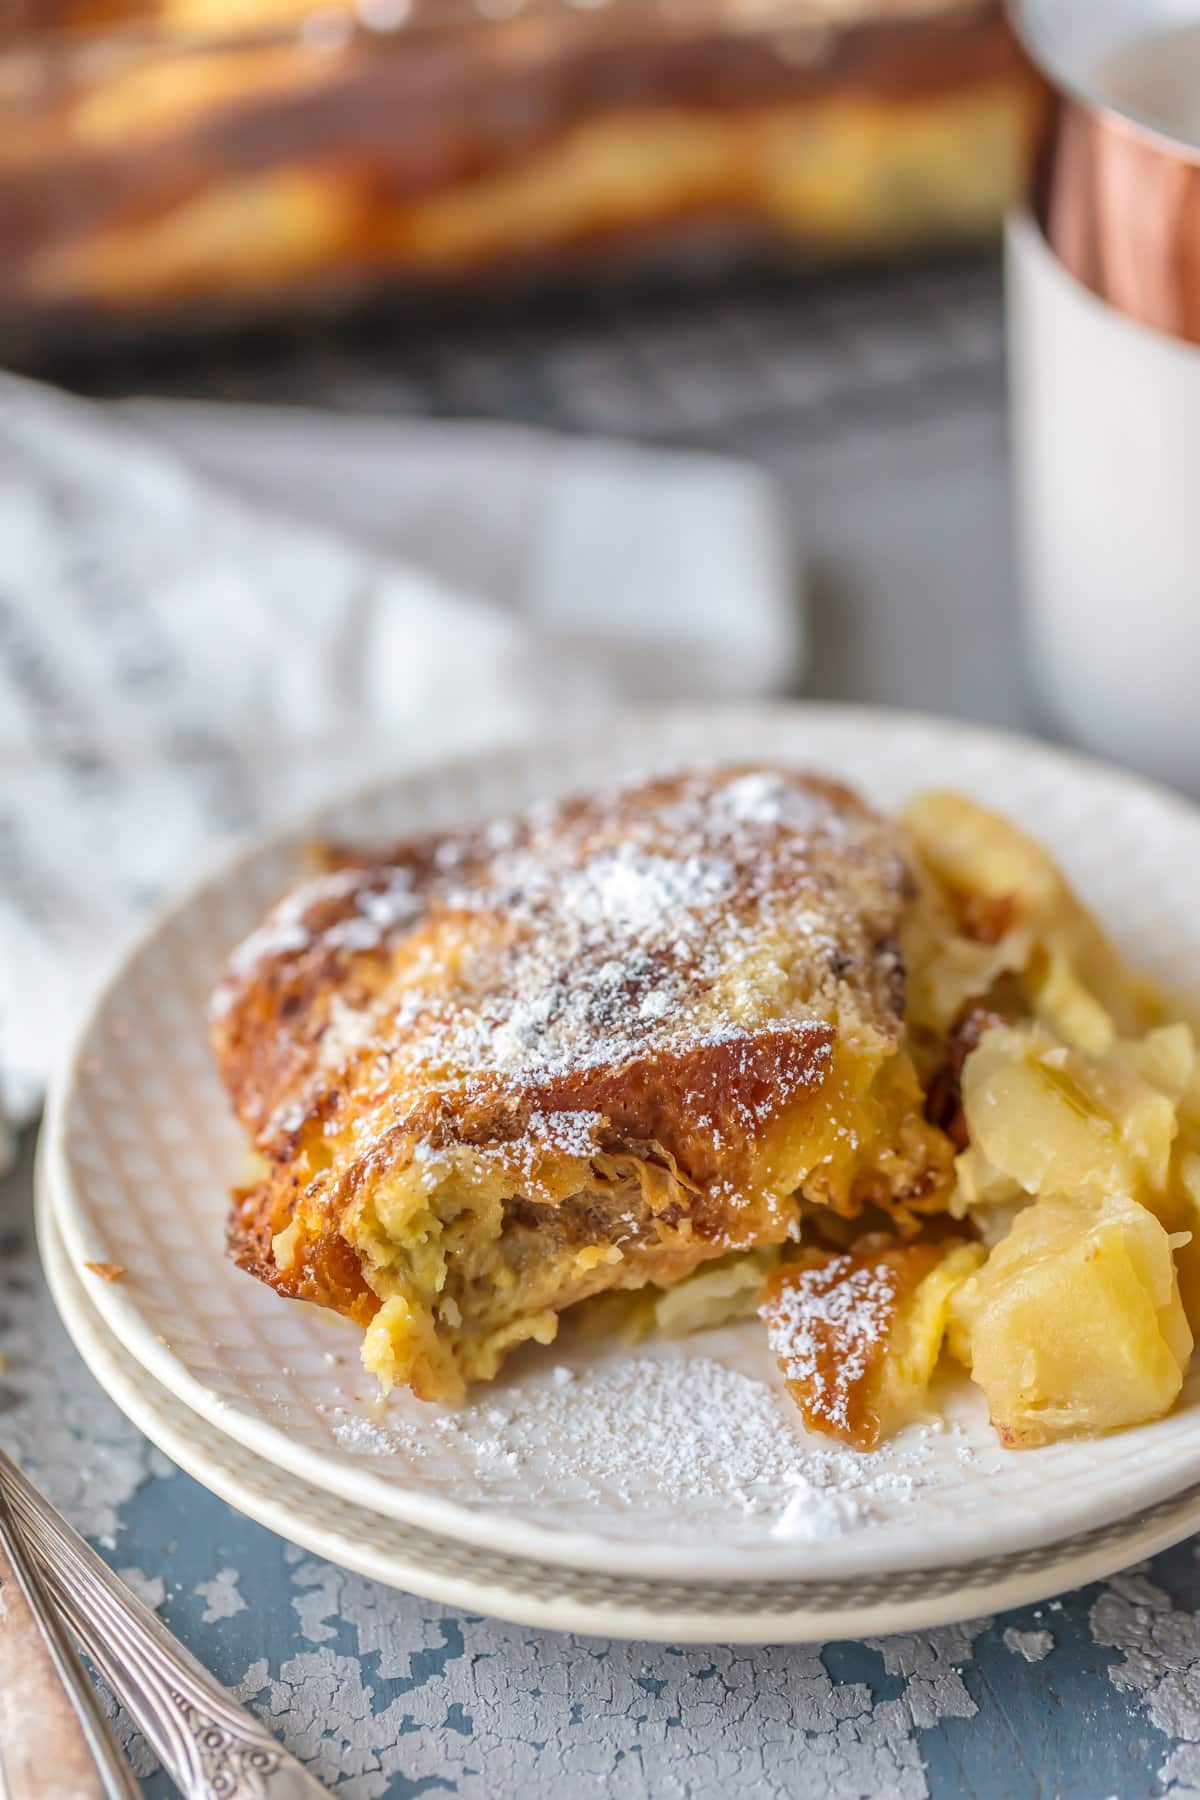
{"points": [[140, 1148], [550, 1596]]}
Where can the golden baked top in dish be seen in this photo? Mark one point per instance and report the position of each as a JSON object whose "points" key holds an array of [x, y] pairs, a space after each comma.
{"points": [[719, 1043], [182, 157]]}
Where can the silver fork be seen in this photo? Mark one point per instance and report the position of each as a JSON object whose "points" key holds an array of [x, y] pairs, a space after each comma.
{"points": [[54, 1737], [208, 1744]]}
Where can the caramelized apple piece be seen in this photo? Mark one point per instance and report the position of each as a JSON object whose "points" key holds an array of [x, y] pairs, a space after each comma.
{"points": [[858, 1336]]}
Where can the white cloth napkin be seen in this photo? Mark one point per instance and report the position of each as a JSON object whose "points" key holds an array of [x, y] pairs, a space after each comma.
{"points": [[210, 616]]}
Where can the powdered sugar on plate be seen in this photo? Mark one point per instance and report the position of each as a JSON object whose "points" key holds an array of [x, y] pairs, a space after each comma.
{"points": [[675, 1434]]}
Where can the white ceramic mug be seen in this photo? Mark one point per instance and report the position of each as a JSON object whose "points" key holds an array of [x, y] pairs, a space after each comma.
{"points": [[1103, 286]]}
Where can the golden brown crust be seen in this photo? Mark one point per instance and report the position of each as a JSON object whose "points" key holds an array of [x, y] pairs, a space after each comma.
{"points": [[360, 934], [326, 1270]]}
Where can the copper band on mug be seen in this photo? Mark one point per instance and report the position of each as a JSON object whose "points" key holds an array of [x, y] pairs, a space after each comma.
{"points": [[1118, 202]]}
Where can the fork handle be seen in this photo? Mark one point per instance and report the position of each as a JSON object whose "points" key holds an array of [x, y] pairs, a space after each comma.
{"points": [[54, 1738], [210, 1746]]}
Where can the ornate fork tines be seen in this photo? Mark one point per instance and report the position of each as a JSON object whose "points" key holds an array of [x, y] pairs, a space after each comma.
{"points": [[209, 1744]]}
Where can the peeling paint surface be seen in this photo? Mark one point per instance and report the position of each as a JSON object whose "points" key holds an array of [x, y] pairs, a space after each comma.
{"points": [[221, 1596], [389, 1696], [1034, 1646]]}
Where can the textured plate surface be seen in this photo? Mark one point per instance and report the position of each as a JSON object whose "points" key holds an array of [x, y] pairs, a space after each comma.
{"points": [[140, 1148], [563, 1599]]}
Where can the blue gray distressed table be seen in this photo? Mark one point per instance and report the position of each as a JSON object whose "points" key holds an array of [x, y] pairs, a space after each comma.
{"points": [[878, 404]]}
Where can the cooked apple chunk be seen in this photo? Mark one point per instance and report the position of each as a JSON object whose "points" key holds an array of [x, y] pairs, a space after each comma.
{"points": [[1058, 1121], [1016, 905], [1075, 1325], [858, 1336]]}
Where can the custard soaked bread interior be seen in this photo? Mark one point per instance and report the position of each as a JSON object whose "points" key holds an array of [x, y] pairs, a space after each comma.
{"points": [[651, 1048]]}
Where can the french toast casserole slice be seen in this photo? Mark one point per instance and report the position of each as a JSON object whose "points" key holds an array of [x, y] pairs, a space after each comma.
{"points": [[492, 1073]]}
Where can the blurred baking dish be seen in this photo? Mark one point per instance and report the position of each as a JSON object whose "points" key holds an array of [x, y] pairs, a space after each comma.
{"points": [[190, 154]]}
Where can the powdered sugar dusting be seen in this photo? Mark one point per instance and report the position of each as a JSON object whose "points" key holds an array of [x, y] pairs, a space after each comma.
{"points": [[644, 895], [622, 926], [287, 929], [694, 1435], [362, 1437], [764, 797], [697, 911]]}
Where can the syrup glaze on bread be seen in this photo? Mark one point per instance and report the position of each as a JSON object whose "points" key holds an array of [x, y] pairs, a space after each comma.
{"points": [[492, 1073]]}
